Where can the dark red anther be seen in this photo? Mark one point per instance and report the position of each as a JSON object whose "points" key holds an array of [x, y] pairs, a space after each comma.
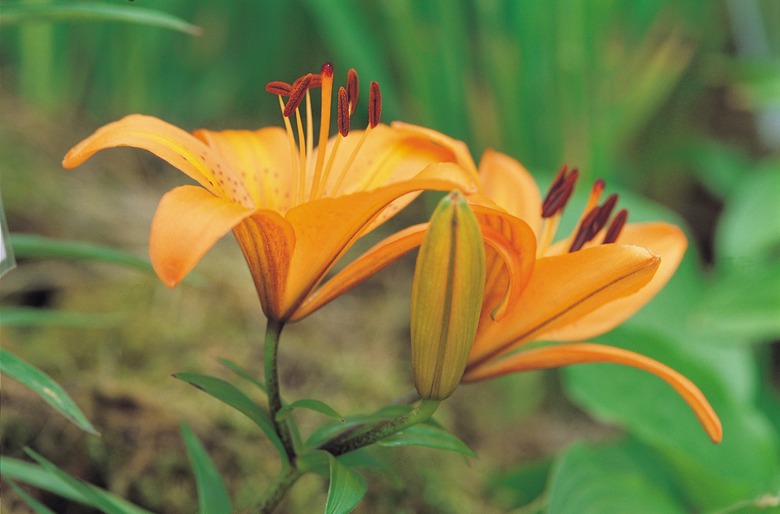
{"points": [[327, 70], [296, 95], [613, 232], [605, 211], [352, 90], [374, 105], [342, 120], [585, 233], [278, 87], [560, 192]]}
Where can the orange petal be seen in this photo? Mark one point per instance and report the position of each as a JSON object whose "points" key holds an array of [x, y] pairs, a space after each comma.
{"points": [[257, 163], [326, 228], [509, 268], [508, 183], [662, 239], [268, 242], [567, 354], [458, 148], [177, 147], [563, 289], [188, 221], [371, 262]]}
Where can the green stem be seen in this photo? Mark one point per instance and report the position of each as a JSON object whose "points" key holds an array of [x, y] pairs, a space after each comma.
{"points": [[272, 332], [278, 489], [354, 439]]}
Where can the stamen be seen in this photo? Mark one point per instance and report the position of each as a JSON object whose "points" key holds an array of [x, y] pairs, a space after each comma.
{"points": [[291, 138], [343, 108], [560, 192], [605, 211], [613, 232], [327, 90], [585, 232], [593, 223], [277, 87], [296, 95], [374, 105], [352, 90]]}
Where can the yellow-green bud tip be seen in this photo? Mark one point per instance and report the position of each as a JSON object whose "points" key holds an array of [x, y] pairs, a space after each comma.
{"points": [[449, 283]]}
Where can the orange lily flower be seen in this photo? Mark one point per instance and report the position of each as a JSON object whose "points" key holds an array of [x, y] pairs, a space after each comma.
{"points": [[539, 290], [294, 209], [582, 286]]}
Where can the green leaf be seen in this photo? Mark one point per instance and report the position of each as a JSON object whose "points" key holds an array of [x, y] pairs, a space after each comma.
{"points": [[212, 494], [241, 372], [749, 228], [610, 479], [33, 317], [345, 490], [38, 247], [741, 305], [310, 404], [229, 394], [16, 13], [428, 435], [79, 490], [37, 506], [45, 387]]}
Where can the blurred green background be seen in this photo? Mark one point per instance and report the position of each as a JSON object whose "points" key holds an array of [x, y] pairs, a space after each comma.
{"points": [[675, 103]]}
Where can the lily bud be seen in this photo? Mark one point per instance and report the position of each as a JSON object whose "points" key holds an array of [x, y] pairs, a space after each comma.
{"points": [[449, 283]]}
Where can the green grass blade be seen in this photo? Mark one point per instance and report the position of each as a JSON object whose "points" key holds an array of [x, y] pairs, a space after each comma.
{"points": [[34, 504], [17, 13], [212, 494], [38, 247], [45, 387], [32, 317]]}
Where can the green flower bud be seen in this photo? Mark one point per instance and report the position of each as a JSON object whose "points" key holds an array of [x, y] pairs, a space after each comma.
{"points": [[449, 283]]}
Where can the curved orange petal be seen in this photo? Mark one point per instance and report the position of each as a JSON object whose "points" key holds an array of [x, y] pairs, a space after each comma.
{"points": [[509, 268], [188, 221], [256, 163], [268, 243], [372, 261], [508, 183], [459, 149], [556, 356], [326, 228], [179, 148], [562, 290], [662, 239]]}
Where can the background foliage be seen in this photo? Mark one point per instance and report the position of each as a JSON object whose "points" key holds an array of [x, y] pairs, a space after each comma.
{"points": [[675, 103]]}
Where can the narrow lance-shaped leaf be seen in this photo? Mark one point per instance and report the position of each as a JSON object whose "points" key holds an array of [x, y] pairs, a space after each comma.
{"points": [[43, 385], [212, 494]]}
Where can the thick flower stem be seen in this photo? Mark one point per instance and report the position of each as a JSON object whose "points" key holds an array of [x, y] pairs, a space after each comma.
{"points": [[354, 439], [278, 489], [272, 332]]}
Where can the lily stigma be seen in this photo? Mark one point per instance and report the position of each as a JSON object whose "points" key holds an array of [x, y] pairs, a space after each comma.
{"points": [[294, 208]]}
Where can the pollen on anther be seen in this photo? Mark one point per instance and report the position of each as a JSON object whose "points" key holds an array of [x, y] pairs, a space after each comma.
{"points": [[343, 112], [278, 87], [374, 104], [296, 95], [353, 90]]}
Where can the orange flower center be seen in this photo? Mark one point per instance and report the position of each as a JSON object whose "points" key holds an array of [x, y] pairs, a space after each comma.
{"points": [[312, 171], [593, 219]]}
